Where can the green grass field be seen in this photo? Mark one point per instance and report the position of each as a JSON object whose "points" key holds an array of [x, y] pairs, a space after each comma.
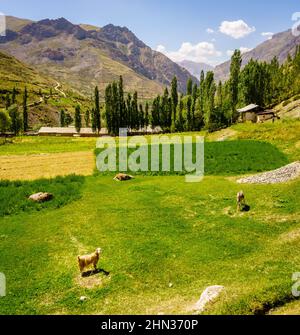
{"points": [[164, 241]]}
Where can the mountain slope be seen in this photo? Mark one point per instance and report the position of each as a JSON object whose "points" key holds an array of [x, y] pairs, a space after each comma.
{"points": [[84, 57], [15, 74], [280, 45], [195, 68]]}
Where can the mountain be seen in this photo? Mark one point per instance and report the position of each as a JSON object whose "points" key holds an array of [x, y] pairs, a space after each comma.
{"points": [[46, 97], [84, 56], [15, 74], [195, 68], [280, 46]]}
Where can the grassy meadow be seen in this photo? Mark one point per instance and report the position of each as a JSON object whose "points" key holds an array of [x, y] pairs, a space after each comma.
{"points": [[164, 241]]}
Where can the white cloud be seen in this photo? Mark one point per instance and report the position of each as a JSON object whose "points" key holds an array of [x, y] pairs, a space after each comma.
{"points": [[210, 31], [205, 52], [268, 35], [229, 53], [242, 49], [236, 29]]}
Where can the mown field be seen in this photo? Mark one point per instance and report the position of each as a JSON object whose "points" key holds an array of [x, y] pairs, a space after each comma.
{"points": [[164, 240]]}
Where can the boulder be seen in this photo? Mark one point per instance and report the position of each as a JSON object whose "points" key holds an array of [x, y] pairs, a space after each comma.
{"points": [[123, 177], [41, 197], [210, 294]]}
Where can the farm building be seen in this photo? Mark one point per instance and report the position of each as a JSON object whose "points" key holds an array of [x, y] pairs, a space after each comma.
{"points": [[88, 132], [255, 114], [69, 131]]}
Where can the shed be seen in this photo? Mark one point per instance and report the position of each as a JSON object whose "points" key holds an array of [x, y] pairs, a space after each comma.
{"points": [[249, 113]]}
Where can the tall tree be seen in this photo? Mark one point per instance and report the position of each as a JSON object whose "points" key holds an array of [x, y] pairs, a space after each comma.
{"points": [[87, 118], [16, 120], [189, 87], [189, 117], [25, 111], [174, 96], [97, 110], [180, 120], [147, 117], [14, 96], [235, 68], [62, 117], [77, 119]]}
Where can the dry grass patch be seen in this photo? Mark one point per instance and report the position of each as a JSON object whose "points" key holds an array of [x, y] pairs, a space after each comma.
{"points": [[31, 167]]}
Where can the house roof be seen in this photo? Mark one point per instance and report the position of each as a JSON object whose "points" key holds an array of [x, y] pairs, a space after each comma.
{"points": [[68, 131], [248, 108]]}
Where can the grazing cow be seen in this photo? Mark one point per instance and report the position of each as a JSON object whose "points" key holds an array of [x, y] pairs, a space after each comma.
{"points": [[240, 198], [84, 261], [123, 177]]}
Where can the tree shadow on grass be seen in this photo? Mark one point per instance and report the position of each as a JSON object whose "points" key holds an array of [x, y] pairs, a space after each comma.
{"points": [[94, 272]]}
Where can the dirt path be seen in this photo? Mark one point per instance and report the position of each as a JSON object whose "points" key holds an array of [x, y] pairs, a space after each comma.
{"points": [[58, 85], [30, 167]]}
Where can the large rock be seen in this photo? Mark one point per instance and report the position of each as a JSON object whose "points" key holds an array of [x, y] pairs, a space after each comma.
{"points": [[41, 197], [210, 294]]}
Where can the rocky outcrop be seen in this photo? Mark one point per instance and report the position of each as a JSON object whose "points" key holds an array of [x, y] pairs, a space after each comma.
{"points": [[210, 294]]}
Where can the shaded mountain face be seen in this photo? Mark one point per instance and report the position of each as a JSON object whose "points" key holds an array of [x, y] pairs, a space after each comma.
{"points": [[88, 57], [280, 46], [195, 68]]}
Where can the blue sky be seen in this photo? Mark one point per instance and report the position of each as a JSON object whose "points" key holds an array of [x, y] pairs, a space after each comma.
{"points": [[177, 28]]}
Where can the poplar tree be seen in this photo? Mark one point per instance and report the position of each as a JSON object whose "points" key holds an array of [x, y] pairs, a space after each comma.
{"points": [[77, 119], [174, 96], [62, 117], [87, 118], [235, 68], [189, 87], [25, 111], [97, 115]]}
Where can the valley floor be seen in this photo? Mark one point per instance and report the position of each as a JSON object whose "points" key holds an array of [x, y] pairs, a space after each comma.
{"points": [[164, 241]]}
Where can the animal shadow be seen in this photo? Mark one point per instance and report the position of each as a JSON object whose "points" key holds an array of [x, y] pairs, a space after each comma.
{"points": [[246, 208], [94, 272]]}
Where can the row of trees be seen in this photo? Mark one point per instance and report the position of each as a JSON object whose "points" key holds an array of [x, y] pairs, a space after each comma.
{"points": [[11, 119], [212, 105], [121, 112]]}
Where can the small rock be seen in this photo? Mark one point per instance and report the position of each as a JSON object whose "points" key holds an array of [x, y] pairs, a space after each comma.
{"points": [[41, 197], [209, 294], [83, 298], [170, 285]]}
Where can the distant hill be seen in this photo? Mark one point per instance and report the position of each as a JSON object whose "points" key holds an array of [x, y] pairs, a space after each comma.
{"points": [[195, 68], [85, 56], [280, 45]]}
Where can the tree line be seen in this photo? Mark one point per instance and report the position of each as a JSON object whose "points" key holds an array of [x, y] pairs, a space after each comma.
{"points": [[11, 119], [205, 105]]}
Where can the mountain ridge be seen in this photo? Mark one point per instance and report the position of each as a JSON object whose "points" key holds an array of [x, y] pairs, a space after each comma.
{"points": [[58, 43], [280, 45]]}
